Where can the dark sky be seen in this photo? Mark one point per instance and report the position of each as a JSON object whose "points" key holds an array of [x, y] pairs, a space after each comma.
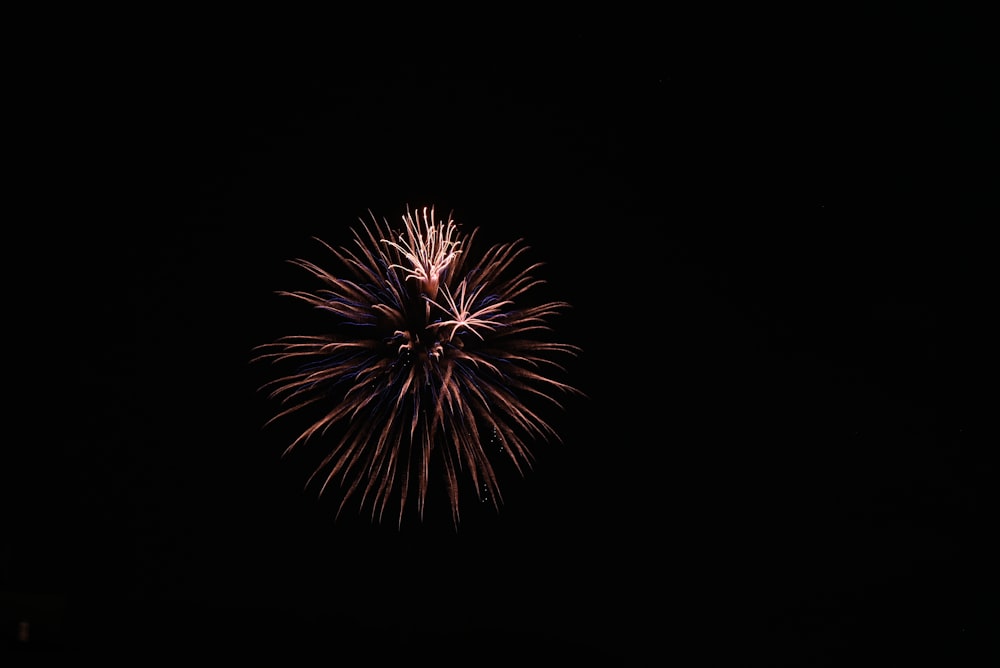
{"points": [[774, 451]]}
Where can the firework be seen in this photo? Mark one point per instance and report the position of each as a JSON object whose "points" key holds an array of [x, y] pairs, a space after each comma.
{"points": [[430, 359]]}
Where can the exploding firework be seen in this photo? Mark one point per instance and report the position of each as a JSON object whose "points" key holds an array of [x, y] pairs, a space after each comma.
{"points": [[429, 363]]}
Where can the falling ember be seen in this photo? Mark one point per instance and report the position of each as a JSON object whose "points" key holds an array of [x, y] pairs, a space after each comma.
{"points": [[430, 360]]}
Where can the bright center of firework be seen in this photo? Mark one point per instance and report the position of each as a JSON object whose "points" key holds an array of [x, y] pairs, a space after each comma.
{"points": [[429, 248]]}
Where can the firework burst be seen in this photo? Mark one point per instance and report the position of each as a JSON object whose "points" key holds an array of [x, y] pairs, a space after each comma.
{"points": [[429, 358]]}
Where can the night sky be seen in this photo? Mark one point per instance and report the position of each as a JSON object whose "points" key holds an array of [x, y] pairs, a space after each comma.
{"points": [[774, 455]]}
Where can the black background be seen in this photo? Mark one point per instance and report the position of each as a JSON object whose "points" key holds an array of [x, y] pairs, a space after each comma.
{"points": [[760, 229]]}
